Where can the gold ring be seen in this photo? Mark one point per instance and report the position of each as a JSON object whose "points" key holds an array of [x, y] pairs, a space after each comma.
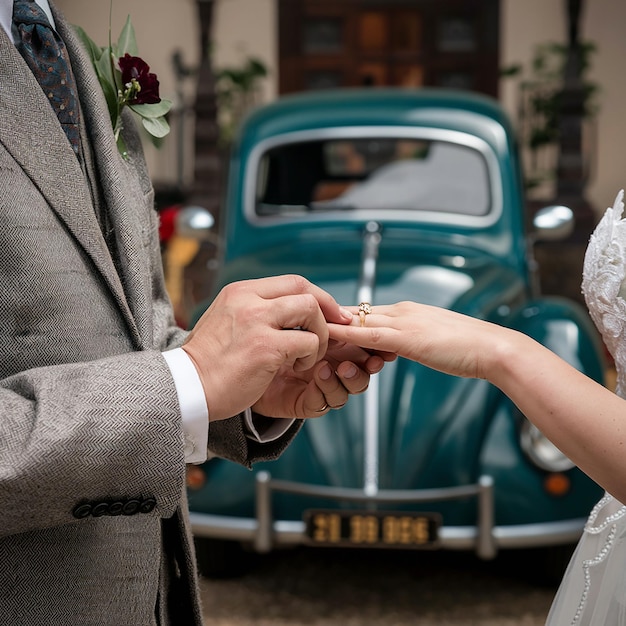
{"points": [[323, 408], [365, 308]]}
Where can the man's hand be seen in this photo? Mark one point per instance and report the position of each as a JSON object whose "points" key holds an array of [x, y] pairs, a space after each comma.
{"points": [[271, 335], [345, 370]]}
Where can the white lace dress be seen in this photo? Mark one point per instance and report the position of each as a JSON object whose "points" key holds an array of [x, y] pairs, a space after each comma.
{"points": [[593, 591]]}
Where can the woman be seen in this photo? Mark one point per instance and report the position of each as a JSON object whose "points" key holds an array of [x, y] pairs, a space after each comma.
{"points": [[583, 418]]}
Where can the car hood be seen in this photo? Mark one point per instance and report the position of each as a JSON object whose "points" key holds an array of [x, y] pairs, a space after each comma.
{"points": [[424, 267], [424, 418]]}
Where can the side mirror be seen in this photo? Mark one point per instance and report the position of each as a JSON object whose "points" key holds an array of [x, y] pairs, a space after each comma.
{"points": [[195, 222], [553, 222]]}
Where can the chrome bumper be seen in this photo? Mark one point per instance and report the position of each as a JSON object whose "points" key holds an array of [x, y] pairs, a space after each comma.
{"points": [[485, 539]]}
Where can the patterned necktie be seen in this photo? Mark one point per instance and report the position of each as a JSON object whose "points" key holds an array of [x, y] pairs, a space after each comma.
{"points": [[46, 55]]}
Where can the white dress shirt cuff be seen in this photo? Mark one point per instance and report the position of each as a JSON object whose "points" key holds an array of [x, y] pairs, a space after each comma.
{"points": [[265, 429], [192, 401], [195, 413]]}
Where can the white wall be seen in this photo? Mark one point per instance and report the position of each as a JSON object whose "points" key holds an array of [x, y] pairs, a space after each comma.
{"points": [[256, 35], [245, 28], [605, 22], [527, 23]]}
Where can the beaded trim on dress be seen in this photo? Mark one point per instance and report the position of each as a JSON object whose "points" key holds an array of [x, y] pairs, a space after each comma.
{"points": [[608, 525]]}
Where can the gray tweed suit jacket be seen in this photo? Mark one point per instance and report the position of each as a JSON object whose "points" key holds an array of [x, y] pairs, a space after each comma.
{"points": [[93, 519]]}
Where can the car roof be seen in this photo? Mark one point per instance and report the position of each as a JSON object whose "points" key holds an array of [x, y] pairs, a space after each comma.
{"points": [[454, 109]]}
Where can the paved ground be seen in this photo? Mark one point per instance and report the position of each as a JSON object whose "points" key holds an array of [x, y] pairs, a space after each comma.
{"points": [[354, 588]]}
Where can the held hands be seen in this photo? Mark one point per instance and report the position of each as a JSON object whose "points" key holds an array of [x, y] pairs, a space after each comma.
{"points": [[345, 370], [265, 344]]}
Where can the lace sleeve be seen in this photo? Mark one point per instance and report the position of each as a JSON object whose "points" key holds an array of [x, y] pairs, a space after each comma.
{"points": [[604, 284]]}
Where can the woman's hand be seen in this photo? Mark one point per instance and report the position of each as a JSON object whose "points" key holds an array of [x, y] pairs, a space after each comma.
{"points": [[443, 340]]}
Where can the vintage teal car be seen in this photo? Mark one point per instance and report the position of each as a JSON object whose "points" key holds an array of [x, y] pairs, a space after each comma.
{"points": [[382, 195]]}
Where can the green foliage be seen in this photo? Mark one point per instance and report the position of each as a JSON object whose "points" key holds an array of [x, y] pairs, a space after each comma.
{"points": [[541, 96], [237, 89], [105, 60]]}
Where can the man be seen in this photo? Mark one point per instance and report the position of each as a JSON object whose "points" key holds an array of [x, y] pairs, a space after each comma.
{"points": [[100, 407]]}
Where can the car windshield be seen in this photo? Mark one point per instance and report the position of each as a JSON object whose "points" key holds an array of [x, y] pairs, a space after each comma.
{"points": [[407, 174]]}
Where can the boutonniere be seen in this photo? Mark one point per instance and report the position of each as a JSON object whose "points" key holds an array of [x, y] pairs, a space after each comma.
{"points": [[126, 81]]}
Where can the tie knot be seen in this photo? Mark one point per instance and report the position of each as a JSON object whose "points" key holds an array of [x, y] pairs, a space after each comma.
{"points": [[29, 12]]}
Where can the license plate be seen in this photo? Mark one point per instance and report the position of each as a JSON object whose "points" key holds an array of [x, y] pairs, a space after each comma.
{"points": [[372, 528]]}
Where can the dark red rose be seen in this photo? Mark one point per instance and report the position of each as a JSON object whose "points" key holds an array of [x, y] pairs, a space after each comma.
{"points": [[136, 69]]}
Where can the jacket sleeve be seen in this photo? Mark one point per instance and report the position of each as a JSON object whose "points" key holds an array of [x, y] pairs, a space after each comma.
{"points": [[96, 432]]}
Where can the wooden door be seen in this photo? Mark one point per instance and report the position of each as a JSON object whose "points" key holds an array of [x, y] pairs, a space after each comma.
{"points": [[412, 43]]}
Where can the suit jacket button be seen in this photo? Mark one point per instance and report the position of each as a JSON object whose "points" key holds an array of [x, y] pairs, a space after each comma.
{"points": [[131, 507], [100, 509], [116, 508], [81, 511], [147, 506]]}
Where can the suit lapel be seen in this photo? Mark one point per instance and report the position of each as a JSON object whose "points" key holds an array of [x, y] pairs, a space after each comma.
{"points": [[48, 160], [119, 191]]}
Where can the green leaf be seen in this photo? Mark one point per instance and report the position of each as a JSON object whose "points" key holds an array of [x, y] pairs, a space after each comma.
{"points": [[152, 111], [127, 42], [511, 70], [94, 50], [157, 127], [110, 95], [121, 146], [104, 68], [257, 67]]}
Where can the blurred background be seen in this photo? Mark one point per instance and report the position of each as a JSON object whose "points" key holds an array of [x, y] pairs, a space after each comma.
{"points": [[555, 66]]}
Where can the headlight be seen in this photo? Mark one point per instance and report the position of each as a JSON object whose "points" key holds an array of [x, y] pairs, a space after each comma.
{"points": [[541, 451]]}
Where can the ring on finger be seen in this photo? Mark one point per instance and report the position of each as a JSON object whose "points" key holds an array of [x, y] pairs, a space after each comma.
{"points": [[365, 308], [323, 408]]}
